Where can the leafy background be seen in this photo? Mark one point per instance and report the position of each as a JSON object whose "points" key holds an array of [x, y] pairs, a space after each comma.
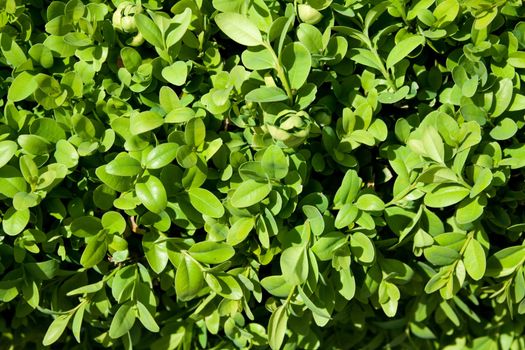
{"points": [[229, 174]]}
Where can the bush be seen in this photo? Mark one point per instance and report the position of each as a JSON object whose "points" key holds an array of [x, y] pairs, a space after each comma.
{"points": [[234, 174]]}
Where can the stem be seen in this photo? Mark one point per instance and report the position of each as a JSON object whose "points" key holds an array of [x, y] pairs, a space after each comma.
{"points": [[402, 194], [289, 298], [280, 71], [383, 69]]}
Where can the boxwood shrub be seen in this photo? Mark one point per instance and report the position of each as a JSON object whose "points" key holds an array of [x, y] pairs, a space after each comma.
{"points": [[234, 174]]}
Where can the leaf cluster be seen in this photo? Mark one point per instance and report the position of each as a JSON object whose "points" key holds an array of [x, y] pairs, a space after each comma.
{"points": [[231, 174]]}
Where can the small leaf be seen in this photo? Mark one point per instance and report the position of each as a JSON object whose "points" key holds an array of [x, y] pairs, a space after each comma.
{"points": [[441, 256], [403, 48], [362, 248], [370, 202], [123, 320], [239, 28], [149, 30], [297, 63], [15, 221], [96, 249], [195, 132], [470, 209], [161, 155], [146, 318], [176, 73], [274, 162], [348, 190], [277, 326], [152, 194], [504, 130], [249, 193], [430, 145], [475, 260], [239, 231], [145, 121], [22, 87], [211, 252], [483, 181], [346, 216], [188, 279], [56, 328], [7, 151], [258, 58], [445, 195], [266, 94], [504, 262], [205, 202], [294, 264], [277, 286], [124, 165]]}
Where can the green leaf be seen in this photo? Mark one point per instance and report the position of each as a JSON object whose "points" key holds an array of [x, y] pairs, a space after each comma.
{"points": [[86, 226], [15, 221], [429, 145], [370, 202], [277, 286], [403, 48], [56, 328], [161, 155], [310, 37], [156, 251], [239, 28], [149, 30], [195, 132], [124, 165], [326, 244], [95, 252], [250, 192], [470, 209], [297, 63], [205, 202], [66, 153], [315, 218], [366, 58], [188, 279], [274, 162], [503, 97], [258, 58], [175, 35], [22, 87], [239, 231], [211, 252], [362, 248], [146, 318], [346, 216], [277, 326], [294, 265], [445, 195], [76, 325], [483, 181], [7, 151], [475, 260], [504, 130], [441, 256], [266, 94], [123, 320], [152, 194], [113, 222], [176, 73], [348, 190], [144, 122], [504, 262]]}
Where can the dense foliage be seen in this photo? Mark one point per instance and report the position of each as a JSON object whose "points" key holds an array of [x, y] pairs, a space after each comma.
{"points": [[233, 174]]}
